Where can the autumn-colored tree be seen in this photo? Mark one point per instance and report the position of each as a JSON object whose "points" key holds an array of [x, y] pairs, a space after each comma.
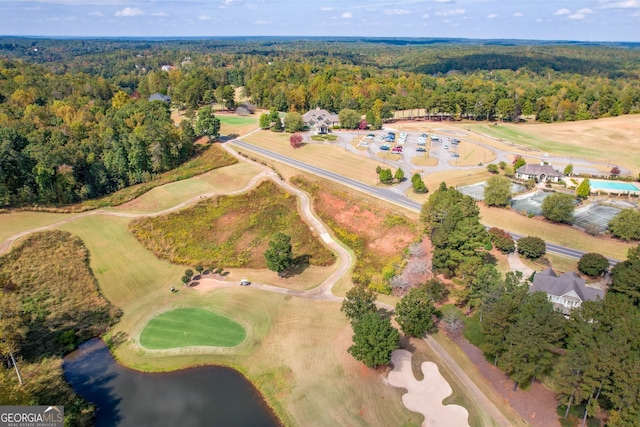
{"points": [[295, 140]]}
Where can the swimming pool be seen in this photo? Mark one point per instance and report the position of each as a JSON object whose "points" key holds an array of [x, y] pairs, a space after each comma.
{"points": [[612, 185]]}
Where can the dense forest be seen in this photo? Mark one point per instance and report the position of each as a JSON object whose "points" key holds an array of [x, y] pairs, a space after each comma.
{"points": [[75, 122]]}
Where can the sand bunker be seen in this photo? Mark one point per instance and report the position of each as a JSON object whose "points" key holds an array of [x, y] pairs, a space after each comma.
{"points": [[426, 396]]}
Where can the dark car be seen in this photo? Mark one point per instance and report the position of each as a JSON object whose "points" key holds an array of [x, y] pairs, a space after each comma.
{"points": [[422, 149], [384, 147]]}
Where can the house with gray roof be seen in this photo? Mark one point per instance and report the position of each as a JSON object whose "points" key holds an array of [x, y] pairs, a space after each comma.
{"points": [[566, 291], [540, 173], [160, 97], [319, 120]]}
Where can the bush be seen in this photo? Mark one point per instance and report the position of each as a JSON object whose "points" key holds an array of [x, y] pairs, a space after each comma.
{"points": [[295, 140], [492, 168], [531, 247], [502, 240], [593, 264]]}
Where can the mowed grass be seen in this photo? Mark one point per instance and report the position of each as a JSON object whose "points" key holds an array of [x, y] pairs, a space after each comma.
{"points": [[223, 180], [331, 157], [13, 222], [555, 233], [604, 140], [232, 231], [231, 124], [187, 327]]}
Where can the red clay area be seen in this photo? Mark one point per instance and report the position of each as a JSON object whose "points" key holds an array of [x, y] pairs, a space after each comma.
{"points": [[537, 404]]}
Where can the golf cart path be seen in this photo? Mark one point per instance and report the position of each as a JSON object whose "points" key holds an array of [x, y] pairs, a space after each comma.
{"points": [[321, 292]]}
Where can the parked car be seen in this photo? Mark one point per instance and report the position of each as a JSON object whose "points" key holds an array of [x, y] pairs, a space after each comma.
{"points": [[455, 141], [456, 155], [422, 149], [446, 147], [245, 282], [370, 136], [424, 135], [384, 147]]}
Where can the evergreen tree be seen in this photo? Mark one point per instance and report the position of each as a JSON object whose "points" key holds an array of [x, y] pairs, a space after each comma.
{"points": [[358, 302], [584, 189], [415, 313], [497, 191]]}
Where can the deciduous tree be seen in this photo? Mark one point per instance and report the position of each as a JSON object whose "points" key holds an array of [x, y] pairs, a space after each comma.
{"points": [[359, 301], [279, 255], [532, 247], [374, 340], [584, 189], [293, 122], [626, 225], [415, 313], [207, 124], [559, 207], [497, 191], [593, 264], [295, 140]]}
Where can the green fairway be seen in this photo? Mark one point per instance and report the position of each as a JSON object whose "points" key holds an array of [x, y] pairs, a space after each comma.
{"points": [[186, 327], [234, 120]]}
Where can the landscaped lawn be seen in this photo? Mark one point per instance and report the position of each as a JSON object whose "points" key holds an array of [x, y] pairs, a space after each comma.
{"points": [[185, 327]]}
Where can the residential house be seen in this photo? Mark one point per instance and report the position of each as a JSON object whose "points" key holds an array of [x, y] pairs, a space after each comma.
{"points": [[319, 120], [540, 173], [566, 291], [160, 97]]}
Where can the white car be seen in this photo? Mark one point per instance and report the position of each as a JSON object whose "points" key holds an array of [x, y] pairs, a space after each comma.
{"points": [[446, 147], [245, 282]]}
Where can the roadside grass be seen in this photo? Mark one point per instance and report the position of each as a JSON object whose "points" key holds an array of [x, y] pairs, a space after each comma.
{"points": [[377, 235], [331, 157], [299, 278], [388, 156], [222, 180], [232, 231], [555, 233], [562, 263], [15, 221], [603, 139], [186, 327]]}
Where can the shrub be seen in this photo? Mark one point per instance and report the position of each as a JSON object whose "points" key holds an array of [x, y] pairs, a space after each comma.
{"points": [[593, 264], [532, 247], [492, 168], [502, 240], [295, 140]]}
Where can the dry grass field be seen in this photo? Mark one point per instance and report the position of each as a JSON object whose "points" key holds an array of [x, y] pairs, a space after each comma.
{"points": [[455, 178], [424, 161], [608, 140], [472, 155], [13, 222], [331, 157]]}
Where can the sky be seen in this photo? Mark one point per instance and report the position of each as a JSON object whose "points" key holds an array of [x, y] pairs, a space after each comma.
{"points": [[581, 20]]}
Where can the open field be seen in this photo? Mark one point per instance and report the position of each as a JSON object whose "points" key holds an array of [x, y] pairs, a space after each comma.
{"points": [[555, 233], [455, 178], [331, 157], [13, 222], [472, 155], [231, 124], [222, 180], [604, 140], [232, 231], [187, 327]]}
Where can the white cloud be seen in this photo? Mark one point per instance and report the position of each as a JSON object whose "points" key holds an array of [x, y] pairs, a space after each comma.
{"points": [[230, 2], [160, 14], [585, 11], [326, 9], [260, 22], [443, 1], [577, 16], [397, 12], [97, 14], [451, 12], [539, 20], [347, 15], [518, 14], [563, 11], [204, 18], [425, 16], [628, 4], [129, 11], [492, 15]]}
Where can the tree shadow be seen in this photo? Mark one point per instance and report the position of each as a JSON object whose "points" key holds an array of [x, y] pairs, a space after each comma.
{"points": [[298, 266]]}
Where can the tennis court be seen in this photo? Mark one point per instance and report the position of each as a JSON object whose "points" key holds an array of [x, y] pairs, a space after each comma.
{"points": [[596, 215], [531, 205], [476, 191]]}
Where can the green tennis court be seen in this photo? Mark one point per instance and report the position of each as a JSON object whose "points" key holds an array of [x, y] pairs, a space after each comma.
{"points": [[186, 327]]}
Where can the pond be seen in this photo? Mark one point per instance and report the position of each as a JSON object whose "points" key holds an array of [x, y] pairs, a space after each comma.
{"points": [[203, 396]]}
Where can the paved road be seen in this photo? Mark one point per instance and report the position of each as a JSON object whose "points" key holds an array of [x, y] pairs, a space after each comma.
{"points": [[382, 193]]}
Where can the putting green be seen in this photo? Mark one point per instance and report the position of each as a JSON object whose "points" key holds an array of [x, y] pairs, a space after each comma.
{"points": [[186, 327]]}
